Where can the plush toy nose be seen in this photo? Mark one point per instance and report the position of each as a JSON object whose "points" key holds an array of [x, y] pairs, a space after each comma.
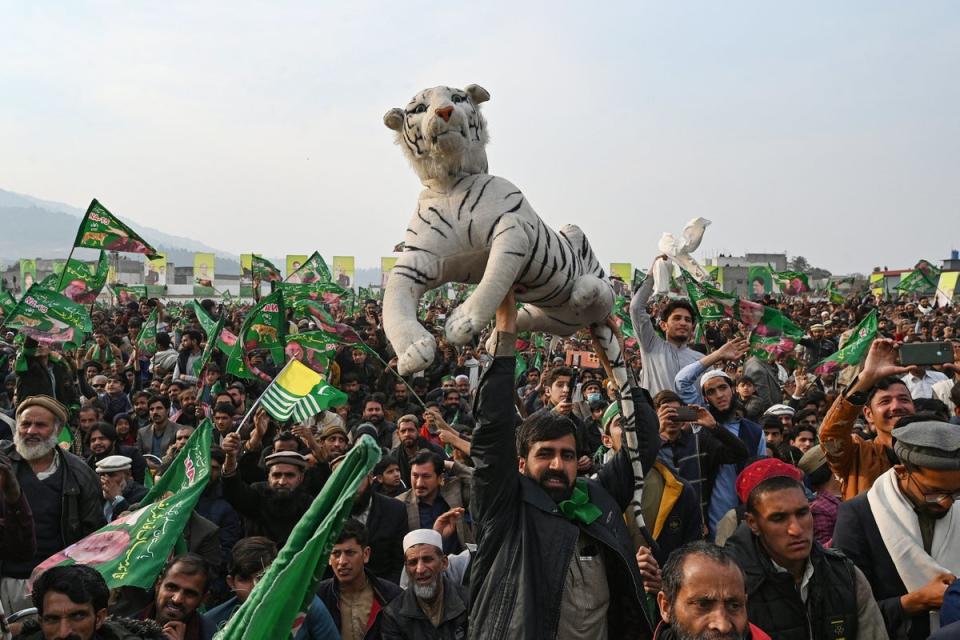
{"points": [[444, 113]]}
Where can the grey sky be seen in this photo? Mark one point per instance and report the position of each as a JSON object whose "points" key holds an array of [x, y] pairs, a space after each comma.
{"points": [[829, 130]]}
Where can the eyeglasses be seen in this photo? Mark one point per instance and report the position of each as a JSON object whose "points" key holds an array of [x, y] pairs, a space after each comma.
{"points": [[935, 498]]}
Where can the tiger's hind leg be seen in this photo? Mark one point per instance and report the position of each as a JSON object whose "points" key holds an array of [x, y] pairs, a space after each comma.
{"points": [[508, 250]]}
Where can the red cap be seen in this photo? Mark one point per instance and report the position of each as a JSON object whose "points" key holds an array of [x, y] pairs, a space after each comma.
{"points": [[761, 470]]}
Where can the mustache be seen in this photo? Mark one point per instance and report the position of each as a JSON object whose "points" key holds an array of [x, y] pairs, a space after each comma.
{"points": [[550, 474]]}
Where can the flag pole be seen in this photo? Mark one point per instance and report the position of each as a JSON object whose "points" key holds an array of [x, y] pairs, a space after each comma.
{"points": [[387, 366], [63, 271]]}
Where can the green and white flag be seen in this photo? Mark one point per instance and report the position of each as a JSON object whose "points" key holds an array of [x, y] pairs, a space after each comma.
{"points": [[299, 392], [49, 316], [100, 229], [315, 269], [276, 608], [855, 348], [264, 271], [791, 283], [131, 550]]}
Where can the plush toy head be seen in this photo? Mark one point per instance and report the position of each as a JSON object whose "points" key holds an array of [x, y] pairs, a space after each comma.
{"points": [[442, 131]]}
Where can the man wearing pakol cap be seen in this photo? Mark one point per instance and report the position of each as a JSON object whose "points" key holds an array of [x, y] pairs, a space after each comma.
{"points": [[270, 508], [904, 533], [699, 381], [63, 492], [884, 399], [796, 589], [555, 558], [119, 488], [434, 607]]}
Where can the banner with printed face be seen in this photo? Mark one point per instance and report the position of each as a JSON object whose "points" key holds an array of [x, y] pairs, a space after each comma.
{"points": [[204, 265], [877, 287], [386, 265], [946, 287], [155, 271], [294, 262], [28, 273], [761, 281], [246, 275], [344, 271]]}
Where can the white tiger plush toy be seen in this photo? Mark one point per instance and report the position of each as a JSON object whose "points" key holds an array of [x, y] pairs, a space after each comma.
{"points": [[473, 227], [476, 228]]}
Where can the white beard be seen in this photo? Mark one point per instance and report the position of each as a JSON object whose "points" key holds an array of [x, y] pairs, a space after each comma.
{"points": [[33, 451], [426, 592]]}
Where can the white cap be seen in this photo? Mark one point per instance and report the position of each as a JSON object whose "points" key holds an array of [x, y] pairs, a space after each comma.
{"points": [[713, 373], [111, 464], [780, 410], [422, 536]]}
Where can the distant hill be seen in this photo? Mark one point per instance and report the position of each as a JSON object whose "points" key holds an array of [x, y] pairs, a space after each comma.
{"points": [[35, 228]]}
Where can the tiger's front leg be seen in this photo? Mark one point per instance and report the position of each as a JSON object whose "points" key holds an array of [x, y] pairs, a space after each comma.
{"points": [[509, 248], [414, 345]]}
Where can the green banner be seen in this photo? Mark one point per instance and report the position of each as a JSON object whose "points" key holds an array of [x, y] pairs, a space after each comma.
{"points": [[50, 317], [100, 229], [264, 329]]}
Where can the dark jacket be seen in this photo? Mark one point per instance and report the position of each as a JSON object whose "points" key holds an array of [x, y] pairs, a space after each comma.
{"points": [[138, 466], [773, 600], [81, 502], [456, 492], [384, 592], [145, 438], [386, 525], [264, 512], [215, 508], [519, 570], [858, 537], [112, 629], [17, 539], [403, 461], [666, 632], [697, 458], [404, 620], [35, 381]]}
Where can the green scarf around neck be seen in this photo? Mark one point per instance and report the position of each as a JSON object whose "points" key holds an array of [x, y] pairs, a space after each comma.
{"points": [[578, 507]]}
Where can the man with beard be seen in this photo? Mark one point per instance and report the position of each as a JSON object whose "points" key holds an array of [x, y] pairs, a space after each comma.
{"points": [[140, 409], [411, 442], [63, 492], [704, 597], [270, 508], [693, 385], [103, 443], [555, 558], [454, 411], [883, 398], [798, 590], [386, 522], [904, 532], [435, 607], [354, 596], [157, 438], [178, 593], [399, 403], [191, 412], [238, 394], [189, 353], [46, 374], [373, 413]]}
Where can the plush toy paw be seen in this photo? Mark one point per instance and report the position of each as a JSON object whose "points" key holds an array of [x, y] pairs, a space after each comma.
{"points": [[417, 356], [461, 326], [587, 291]]}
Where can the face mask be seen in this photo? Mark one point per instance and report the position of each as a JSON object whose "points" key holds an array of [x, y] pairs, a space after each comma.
{"points": [[592, 396]]}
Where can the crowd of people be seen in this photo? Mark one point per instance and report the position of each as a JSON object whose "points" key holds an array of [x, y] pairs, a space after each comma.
{"points": [[779, 500]]}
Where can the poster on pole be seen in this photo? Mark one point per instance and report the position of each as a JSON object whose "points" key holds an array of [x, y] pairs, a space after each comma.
{"points": [[344, 271], [386, 265], [246, 275], [294, 262], [203, 274]]}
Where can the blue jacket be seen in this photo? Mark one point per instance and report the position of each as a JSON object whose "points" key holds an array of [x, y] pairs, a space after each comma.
{"points": [[318, 624]]}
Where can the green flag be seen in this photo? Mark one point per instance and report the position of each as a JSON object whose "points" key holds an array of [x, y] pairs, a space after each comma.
{"points": [[638, 276], [49, 316], [263, 270], [131, 550], [519, 367], [192, 458], [147, 338], [923, 278], [264, 328], [127, 293], [82, 282], [7, 303], [622, 312], [100, 229], [791, 283], [213, 340], [315, 269], [856, 347], [277, 605], [833, 294], [316, 349]]}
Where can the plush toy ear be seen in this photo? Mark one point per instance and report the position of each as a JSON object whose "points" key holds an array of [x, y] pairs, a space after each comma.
{"points": [[393, 119], [477, 93]]}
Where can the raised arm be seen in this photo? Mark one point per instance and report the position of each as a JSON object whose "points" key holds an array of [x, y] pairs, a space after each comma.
{"points": [[494, 447], [642, 323]]}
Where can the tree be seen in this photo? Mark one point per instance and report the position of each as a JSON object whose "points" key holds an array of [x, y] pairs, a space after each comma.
{"points": [[799, 263]]}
